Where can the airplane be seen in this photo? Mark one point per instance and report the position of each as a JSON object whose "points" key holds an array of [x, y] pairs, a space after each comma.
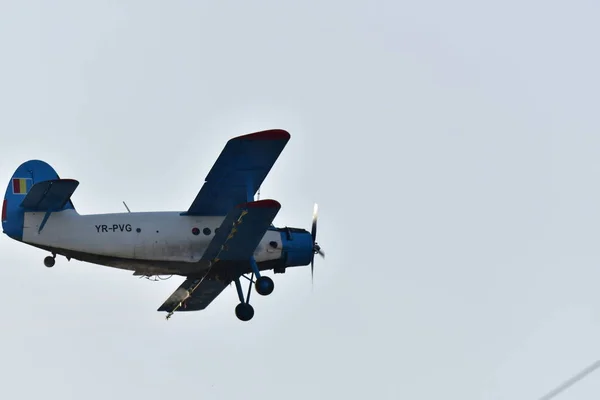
{"points": [[225, 234]]}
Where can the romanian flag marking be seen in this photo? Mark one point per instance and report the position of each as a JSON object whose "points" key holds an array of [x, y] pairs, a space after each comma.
{"points": [[21, 185]]}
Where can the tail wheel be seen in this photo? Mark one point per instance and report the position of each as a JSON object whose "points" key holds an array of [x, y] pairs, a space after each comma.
{"points": [[49, 261]]}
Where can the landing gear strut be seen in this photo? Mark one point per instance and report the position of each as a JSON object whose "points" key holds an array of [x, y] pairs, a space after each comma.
{"points": [[49, 261], [244, 311], [264, 286]]}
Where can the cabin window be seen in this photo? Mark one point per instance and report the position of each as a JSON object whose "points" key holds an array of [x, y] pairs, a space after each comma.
{"points": [[206, 231], [196, 231]]}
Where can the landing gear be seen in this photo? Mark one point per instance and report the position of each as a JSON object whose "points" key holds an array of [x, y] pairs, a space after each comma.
{"points": [[49, 261], [264, 285], [244, 312]]}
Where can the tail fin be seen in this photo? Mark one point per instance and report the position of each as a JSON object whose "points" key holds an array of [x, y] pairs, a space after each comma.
{"points": [[25, 177]]}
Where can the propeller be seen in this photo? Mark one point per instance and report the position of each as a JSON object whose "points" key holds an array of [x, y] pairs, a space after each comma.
{"points": [[316, 247]]}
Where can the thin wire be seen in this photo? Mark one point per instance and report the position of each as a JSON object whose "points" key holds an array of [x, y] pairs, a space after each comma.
{"points": [[156, 278], [588, 370]]}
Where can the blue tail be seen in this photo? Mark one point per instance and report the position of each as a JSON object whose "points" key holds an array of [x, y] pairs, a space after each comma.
{"points": [[25, 177]]}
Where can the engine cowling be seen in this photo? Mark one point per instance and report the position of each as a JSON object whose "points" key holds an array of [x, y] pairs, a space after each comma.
{"points": [[297, 247]]}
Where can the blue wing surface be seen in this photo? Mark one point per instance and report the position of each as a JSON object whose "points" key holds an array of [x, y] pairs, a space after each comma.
{"points": [[202, 296], [238, 172], [241, 231]]}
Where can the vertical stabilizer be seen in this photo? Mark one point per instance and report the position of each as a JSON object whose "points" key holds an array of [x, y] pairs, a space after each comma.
{"points": [[26, 175]]}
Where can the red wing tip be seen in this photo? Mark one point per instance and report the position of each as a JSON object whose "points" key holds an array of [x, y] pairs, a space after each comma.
{"points": [[271, 134], [261, 204]]}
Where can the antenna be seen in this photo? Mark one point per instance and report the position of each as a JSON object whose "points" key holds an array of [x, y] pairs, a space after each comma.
{"points": [[128, 210], [588, 370]]}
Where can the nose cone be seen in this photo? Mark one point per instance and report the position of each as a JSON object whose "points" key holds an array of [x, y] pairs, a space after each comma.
{"points": [[297, 247]]}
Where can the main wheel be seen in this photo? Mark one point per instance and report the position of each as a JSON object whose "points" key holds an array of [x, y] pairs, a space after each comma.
{"points": [[264, 286], [244, 312], [49, 262]]}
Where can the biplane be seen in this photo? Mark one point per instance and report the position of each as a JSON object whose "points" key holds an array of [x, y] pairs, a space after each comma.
{"points": [[225, 234]]}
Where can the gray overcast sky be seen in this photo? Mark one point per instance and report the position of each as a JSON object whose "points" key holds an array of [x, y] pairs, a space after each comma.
{"points": [[452, 147]]}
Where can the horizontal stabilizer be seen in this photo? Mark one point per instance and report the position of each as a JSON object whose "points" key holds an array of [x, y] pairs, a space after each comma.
{"points": [[242, 230], [51, 195], [206, 291]]}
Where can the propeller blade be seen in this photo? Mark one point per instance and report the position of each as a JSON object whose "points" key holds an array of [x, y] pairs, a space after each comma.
{"points": [[314, 222], [316, 247]]}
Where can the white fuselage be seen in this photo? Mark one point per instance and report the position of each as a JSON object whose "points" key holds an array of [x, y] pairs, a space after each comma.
{"points": [[145, 237]]}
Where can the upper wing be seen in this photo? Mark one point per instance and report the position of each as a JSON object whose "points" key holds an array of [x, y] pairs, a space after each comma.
{"points": [[238, 172], [235, 240]]}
